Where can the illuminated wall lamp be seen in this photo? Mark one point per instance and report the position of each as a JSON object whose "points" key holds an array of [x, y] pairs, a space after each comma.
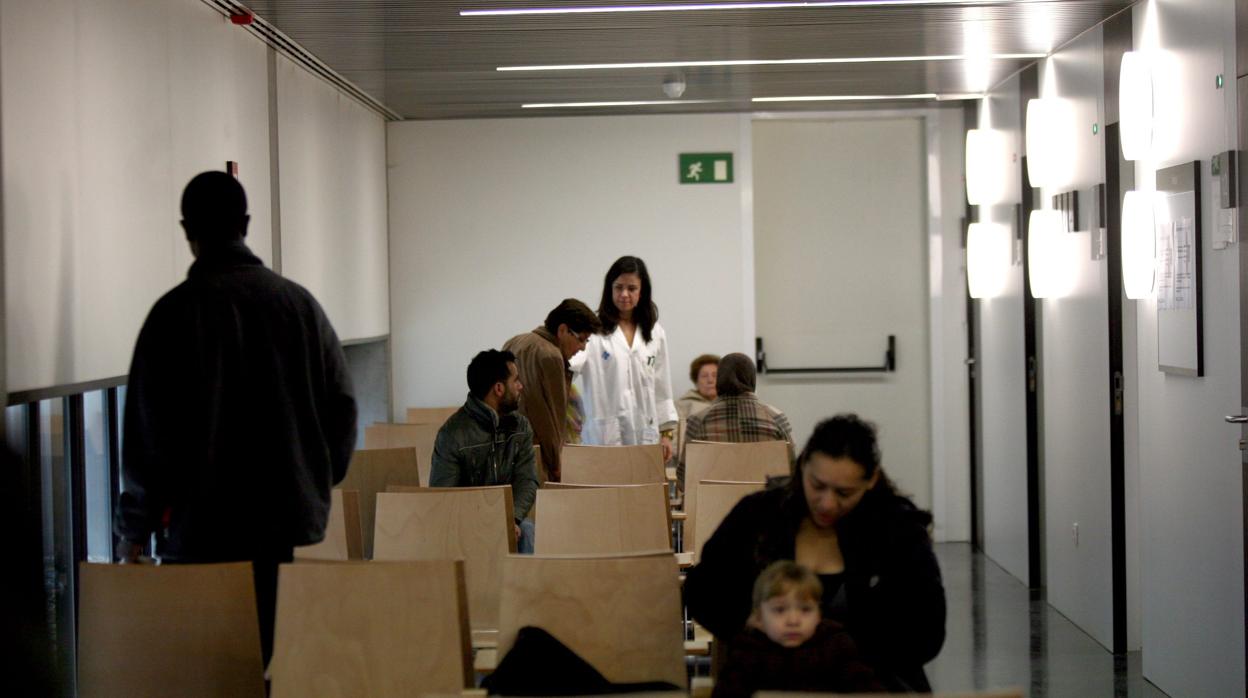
{"points": [[1139, 244], [987, 164], [1051, 255], [1046, 140], [1135, 105], [988, 259]]}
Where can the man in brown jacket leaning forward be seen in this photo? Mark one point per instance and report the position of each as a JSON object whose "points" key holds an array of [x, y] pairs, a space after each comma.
{"points": [[542, 357]]}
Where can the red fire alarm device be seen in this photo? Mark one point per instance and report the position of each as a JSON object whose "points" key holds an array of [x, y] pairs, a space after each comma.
{"points": [[242, 19], [231, 167]]}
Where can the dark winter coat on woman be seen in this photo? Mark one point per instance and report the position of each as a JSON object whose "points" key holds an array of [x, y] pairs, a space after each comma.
{"points": [[891, 599]]}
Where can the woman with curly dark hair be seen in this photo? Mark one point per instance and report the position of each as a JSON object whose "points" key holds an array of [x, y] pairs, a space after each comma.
{"points": [[839, 515]]}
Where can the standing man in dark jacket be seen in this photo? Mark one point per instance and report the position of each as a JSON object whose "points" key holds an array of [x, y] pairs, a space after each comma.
{"points": [[239, 412], [542, 358], [487, 442]]}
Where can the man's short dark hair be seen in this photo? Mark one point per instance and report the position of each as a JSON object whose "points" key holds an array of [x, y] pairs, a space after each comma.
{"points": [[576, 315], [486, 369], [214, 206]]}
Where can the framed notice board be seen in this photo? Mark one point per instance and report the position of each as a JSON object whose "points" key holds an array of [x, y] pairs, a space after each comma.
{"points": [[1180, 326]]}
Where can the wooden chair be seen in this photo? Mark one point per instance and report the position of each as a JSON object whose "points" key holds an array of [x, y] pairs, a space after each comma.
{"points": [[147, 630], [603, 520], [344, 538], [736, 462], [473, 524], [622, 614], [430, 415], [371, 472], [370, 629], [613, 465], [417, 436], [715, 499]]}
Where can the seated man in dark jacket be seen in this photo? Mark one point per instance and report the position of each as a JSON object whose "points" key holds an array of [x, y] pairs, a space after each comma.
{"points": [[487, 443]]}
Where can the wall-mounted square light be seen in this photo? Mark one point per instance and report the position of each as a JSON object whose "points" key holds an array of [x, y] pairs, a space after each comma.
{"points": [[1135, 105], [987, 167], [1051, 255], [1048, 141], [988, 259], [1139, 243]]}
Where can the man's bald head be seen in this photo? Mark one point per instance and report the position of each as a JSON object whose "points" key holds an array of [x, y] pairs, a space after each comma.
{"points": [[214, 209]]}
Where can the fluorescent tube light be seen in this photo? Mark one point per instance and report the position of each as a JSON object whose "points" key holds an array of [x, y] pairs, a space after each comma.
{"points": [[844, 98], [819, 4], [1136, 105], [782, 61], [987, 167], [1051, 255], [988, 250], [659, 102]]}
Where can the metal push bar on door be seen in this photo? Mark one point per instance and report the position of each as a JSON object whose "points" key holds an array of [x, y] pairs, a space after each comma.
{"points": [[890, 362]]}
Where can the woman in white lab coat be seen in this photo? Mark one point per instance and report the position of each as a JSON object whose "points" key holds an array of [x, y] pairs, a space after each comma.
{"points": [[625, 376]]}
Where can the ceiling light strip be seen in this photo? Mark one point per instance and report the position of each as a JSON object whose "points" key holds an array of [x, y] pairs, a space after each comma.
{"points": [[641, 103], [846, 98], [781, 61], [824, 4]]}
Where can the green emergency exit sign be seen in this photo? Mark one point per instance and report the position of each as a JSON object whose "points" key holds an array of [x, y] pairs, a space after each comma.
{"points": [[705, 168]]}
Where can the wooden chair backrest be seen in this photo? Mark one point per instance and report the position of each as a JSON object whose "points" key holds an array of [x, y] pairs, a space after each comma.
{"points": [[738, 462], [344, 538], [613, 465], [622, 614], [715, 499], [371, 472], [605, 520], [146, 630], [473, 524], [430, 415], [417, 436], [337, 633]]}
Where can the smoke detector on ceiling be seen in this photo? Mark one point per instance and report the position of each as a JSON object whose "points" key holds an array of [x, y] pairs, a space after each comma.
{"points": [[674, 85]]}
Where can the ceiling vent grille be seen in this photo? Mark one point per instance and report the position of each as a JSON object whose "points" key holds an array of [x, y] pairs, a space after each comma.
{"points": [[291, 49]]}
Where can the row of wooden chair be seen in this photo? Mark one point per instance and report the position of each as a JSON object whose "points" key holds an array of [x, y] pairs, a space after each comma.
{"points": [[400, 454], [365, 628]]}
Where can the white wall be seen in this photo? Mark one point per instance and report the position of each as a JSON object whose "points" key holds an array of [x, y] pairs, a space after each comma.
{"points": [[1074, 363], [109, 108], [1191, 486], [951, 450], [332, 155], [493, 222], [1003, 415], [836, 203]]}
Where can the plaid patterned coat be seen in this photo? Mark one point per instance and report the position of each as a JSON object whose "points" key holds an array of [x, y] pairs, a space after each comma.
{"points": [[736, 419]]}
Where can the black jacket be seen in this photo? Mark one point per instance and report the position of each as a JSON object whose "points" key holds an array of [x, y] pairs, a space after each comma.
{"points": [[477, 448], [828, 661], [239, 415], [891, 601]]}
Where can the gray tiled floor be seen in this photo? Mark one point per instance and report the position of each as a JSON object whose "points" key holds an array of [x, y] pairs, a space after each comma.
{"points": [[999, 636]]}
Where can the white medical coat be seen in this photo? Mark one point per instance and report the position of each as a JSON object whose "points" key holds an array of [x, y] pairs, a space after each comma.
{"points": [[626, 391]]}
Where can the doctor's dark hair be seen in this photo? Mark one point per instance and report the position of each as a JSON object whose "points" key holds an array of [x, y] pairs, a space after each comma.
{"points": [[486, 369], [645, 314]]}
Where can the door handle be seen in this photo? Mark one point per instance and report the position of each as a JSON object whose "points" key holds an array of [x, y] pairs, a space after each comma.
{"points": [[1237, 418]]}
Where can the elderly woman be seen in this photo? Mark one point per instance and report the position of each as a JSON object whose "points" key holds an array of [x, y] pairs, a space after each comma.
{"points": [[840, 516], [702, 372], [736, 415]]}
